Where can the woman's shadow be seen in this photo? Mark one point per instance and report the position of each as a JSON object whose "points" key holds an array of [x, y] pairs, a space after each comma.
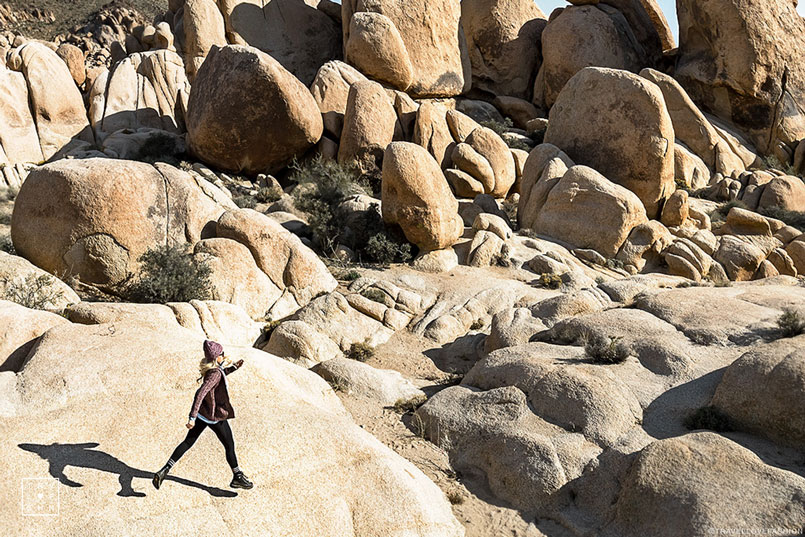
{"points": [[59, 456]]}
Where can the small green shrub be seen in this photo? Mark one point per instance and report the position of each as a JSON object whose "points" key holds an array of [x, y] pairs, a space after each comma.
{"points": [[268, 195], [34, 291], [322, 185], [772, 162], [516, 143], [720, 213], [791, 323], [245, 202], [550, 281], [499, 127], [606, 350], [455, 497], [710, 418], [352, 275], [169, 274], [410, 404], [269, 327], [794, 219], [360, 352], [509, 206], [6, 245], [614, 264], [477, 324], [382, 248], [9, 193], [374, 294]]}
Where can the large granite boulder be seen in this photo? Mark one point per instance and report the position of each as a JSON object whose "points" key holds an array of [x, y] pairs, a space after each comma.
{"points": [[585, 209], [144, 90], [434, 42], [315, 471], [617, 122], [296, 34], [416, 196], [742, 60], [583, 36], [93, 218], [247, 113], [55, 108], [503, 40]]}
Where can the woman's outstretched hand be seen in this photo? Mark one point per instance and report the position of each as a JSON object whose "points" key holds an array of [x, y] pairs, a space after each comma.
{"points": [[190, 424], [239, 363]]}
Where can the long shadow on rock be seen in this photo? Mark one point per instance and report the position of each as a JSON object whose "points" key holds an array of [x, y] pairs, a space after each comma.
{"points": [[458, 356], [665, 416], [60, 456]]}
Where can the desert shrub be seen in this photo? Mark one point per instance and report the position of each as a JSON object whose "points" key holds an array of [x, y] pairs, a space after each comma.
{"points": [[606, 350], [268, 195], [710, 418], [528, 232], [550, 281], [374, 294], [410, 404], [384, 248], [719, 214], [360, 352], [455, 497], [322, 185], [772, 162], [34, 291], [516, 143], [170, 274], [507, 125], [477, 324], [6, 245], [791, 218], [791, 323], [352, 275], [500, 127], [269, 327], [614, 264], [160, 147], [9, 193], [509, 206], [245, 201]]}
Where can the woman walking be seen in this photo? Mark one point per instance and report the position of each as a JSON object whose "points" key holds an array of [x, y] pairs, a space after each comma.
{"points": [[211, 406]]}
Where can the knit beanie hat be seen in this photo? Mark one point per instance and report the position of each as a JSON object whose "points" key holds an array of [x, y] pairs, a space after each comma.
{"points": [[212, 350]]}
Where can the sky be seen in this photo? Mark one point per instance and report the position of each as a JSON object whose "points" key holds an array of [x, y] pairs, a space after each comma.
{"points": [[668, 7]]}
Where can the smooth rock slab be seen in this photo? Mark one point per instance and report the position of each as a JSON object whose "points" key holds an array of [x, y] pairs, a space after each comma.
{"points": [[315, 472]]}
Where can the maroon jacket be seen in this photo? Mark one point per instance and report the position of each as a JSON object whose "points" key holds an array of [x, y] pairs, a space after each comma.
{"points": [[212, 398]]}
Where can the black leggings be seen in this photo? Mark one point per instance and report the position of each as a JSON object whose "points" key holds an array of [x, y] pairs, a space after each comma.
{"points": [[221, 430]]}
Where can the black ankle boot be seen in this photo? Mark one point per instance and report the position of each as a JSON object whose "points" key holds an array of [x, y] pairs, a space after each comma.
{"points": [[160, 476], [240, 481]]}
